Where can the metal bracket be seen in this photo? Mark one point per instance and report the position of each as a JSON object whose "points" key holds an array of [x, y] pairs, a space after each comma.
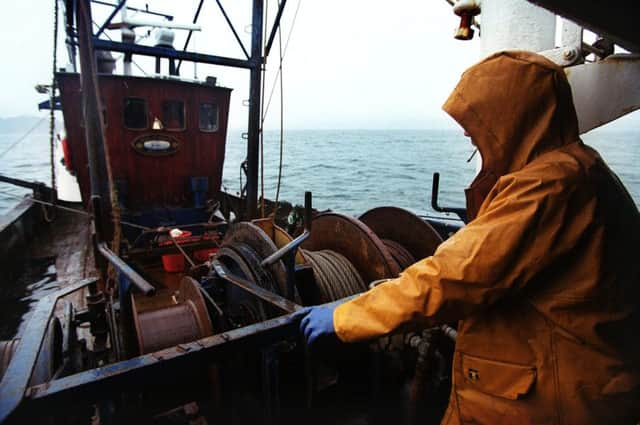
{"points": [[605, 90], [460, 212], [570, 51]]}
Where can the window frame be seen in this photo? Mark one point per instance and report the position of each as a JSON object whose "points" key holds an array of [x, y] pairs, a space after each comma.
{"points": [[184, 115], [217, 122], [146, 113]]}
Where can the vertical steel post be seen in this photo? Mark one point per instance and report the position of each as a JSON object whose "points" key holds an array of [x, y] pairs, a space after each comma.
{"points": [[253, 139], [93, 123]]}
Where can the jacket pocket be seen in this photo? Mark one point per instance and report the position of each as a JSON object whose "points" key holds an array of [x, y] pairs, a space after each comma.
{"points": [[506, 380]]}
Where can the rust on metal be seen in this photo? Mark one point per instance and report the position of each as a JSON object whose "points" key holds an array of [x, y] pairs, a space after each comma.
{"points": [[354, 240], [254, 237], [172, 322], [405, 228]]}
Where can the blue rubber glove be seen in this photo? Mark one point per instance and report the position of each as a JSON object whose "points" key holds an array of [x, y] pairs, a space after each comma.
{"points": [[317, 322]]}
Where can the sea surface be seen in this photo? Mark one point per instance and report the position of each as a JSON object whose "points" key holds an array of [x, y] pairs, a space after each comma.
{"points": [[348, 171]]}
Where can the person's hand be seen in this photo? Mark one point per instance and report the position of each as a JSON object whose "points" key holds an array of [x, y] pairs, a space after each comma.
{"points": [[316, 323]]}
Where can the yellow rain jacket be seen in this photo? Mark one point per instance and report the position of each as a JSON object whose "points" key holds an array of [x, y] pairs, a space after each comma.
{"points": [[545, 279]]}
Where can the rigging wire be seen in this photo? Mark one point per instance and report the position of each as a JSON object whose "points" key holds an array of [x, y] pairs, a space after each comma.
{"points": [[265, 110], [275, 210], [48, 204], [260, 129], [284, 53], [23, 137]]}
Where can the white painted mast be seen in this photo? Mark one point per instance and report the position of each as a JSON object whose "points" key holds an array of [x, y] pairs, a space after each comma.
{"points": [[516, 24]]}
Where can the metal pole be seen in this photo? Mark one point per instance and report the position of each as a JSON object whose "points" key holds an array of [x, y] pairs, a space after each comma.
{"points": [[253, 139], [23, 183], [94, 132], [232, 28], [116, 9], [138, 49], [140, 283], [274, 29]]}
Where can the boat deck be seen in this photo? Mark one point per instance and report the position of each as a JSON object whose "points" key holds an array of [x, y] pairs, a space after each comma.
{"points": [[68, 239], [40, 257]]}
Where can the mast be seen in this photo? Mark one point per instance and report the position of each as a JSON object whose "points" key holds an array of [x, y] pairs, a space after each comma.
{"points": [[253, 139], [516, 24], [94, 124]]}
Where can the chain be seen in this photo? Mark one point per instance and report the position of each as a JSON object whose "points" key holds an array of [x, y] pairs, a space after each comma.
{"points": [[52, 101]]}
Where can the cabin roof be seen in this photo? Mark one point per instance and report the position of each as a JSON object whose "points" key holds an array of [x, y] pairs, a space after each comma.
{"points": [[159, 78]]}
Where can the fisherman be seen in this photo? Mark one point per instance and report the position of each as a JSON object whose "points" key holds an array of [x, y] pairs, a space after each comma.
{"points": [[544, 279]]}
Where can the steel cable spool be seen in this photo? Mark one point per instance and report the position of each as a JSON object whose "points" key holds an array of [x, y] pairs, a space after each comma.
{"points": [[153, 336], [335, 276], [399, 253], [257, 246], [407, 237], [345, 256], [182, 318], [243, 261]]}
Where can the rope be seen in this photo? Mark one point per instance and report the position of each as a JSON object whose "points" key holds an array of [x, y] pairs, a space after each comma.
{"points": [[49, 204], [399, 253], [23, 137], [334, 275], [72, 210]]}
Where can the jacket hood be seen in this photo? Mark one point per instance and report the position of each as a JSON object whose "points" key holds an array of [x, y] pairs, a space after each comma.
{"points": [[515, 105]]}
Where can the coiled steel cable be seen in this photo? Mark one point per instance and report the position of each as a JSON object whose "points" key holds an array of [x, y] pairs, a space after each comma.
{"points": [[334, 274], [399, 253]]}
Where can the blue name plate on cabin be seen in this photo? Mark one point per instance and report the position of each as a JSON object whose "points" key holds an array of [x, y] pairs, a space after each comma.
{"points": [[155, 145]]}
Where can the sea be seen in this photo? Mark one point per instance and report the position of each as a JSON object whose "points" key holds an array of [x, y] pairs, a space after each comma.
{"points": [[347, 171]]}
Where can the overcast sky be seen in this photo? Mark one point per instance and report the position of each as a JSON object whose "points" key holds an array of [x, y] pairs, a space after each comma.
{"points": [[350, 63]]}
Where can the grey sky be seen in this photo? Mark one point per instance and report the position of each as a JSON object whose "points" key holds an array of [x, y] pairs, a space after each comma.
{"points": [[350, 64]]}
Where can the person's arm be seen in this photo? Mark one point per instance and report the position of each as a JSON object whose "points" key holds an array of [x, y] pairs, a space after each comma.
{"points": [[524, 224]]}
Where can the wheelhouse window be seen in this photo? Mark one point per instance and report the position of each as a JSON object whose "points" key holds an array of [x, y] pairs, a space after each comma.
{"points": [[208, 117], [135, 113], [173, 114]]}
